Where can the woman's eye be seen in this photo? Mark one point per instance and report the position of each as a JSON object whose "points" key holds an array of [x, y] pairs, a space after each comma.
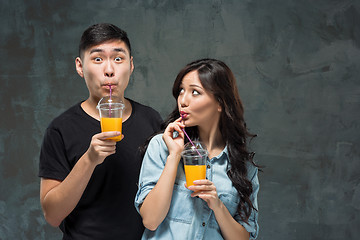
{"points": [[181, 90], [195, 92]]}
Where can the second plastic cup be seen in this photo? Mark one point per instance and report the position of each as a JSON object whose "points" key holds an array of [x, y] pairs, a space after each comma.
{"points": [[194, 162], [111, 110]]}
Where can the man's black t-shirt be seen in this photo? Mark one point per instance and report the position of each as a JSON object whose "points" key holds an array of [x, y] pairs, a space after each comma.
{"points": [[106, 209]]}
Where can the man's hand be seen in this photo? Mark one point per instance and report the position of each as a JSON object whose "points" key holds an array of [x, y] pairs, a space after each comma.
{"points": [[101, 147]]}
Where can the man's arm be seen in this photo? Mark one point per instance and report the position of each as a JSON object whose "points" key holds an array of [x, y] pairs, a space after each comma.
{"points": [[59, 198]]}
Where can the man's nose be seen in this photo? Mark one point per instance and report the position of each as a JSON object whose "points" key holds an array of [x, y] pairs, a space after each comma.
{"points": [[109, 70]]}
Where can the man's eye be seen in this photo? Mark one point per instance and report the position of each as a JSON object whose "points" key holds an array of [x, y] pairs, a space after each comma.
{"points": [[97, 59], [118, 59]]}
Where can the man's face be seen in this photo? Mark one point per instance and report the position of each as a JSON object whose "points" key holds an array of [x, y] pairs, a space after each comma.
{"points": [[104, 65]]}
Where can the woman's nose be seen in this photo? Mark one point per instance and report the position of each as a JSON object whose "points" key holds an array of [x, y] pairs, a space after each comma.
{"points": [[183, 100]]}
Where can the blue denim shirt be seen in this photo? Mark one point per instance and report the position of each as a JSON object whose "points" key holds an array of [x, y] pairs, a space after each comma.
{"points": [[191, 218]]}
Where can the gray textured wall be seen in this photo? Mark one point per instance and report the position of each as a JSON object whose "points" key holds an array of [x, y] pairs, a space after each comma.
{"points": [[297, 63]]}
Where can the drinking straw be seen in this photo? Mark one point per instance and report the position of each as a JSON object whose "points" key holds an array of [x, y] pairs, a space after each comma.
{"points": [[110, 101], [189, 138], [110, 91]]}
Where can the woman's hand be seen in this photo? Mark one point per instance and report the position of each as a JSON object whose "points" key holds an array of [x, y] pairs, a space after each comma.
{"points": [[206, 190], [174, 144]]}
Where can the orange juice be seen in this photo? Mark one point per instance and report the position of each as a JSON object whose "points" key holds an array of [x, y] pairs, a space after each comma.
{"points": [[111, 124], [194, 172]]}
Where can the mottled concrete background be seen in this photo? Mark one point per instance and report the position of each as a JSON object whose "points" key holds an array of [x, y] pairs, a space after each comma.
{"points": [[297, 63]]}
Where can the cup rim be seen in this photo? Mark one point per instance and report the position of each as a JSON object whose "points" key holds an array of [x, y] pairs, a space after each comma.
{"points": [[203, 153], [113, 101], [116, 104]]}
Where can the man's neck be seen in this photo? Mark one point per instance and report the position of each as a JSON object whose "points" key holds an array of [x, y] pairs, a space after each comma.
{"points": [[89, 106]]}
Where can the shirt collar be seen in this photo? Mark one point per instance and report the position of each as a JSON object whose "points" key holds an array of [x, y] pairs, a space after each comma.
{"points": [[223, 156]]}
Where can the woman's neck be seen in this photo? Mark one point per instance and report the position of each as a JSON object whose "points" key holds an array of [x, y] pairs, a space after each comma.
{"points": [[213, 140]]}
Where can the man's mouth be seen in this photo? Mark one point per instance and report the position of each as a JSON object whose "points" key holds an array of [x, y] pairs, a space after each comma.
{"points": [[109, 86]]}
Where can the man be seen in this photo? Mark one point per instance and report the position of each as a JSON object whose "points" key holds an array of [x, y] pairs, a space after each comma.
{"points": [[88, 183]]}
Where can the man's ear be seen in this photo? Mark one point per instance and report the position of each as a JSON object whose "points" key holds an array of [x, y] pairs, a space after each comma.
{"points": [[79, 67], [131, 65]]}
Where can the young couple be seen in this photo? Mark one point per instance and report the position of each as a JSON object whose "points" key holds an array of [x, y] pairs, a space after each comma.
{"points": [[89, 183]]}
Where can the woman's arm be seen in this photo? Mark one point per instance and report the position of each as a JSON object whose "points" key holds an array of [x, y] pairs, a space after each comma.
{"points": [[229, 227], [157, 203]]}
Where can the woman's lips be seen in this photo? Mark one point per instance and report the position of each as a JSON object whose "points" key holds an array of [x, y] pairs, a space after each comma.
{"points": [[183, 114]]}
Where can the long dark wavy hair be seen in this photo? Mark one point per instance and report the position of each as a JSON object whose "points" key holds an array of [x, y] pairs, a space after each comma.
{"points": [[217, 78]]}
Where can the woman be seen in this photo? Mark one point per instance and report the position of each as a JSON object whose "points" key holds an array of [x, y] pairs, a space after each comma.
{"points": [[224, 205]]}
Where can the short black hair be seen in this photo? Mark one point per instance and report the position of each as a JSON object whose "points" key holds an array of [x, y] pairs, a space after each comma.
{"points": [[102, 32]]}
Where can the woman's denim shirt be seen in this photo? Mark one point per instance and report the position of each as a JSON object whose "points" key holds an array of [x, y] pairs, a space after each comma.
{"points": [[191, 218]]}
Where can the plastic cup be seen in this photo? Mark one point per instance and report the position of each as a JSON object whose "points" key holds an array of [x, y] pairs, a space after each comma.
{"points": [[194, 162], [111, 110]]}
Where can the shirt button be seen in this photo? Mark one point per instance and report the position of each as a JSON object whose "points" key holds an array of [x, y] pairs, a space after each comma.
{"points": [[203, 224]]}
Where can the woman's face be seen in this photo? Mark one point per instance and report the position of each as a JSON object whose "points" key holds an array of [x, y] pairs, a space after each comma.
{"points": [[197, 106]]}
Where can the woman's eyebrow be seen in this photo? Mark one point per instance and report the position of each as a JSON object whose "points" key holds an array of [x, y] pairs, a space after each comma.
{"points": [[195, 85]]}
